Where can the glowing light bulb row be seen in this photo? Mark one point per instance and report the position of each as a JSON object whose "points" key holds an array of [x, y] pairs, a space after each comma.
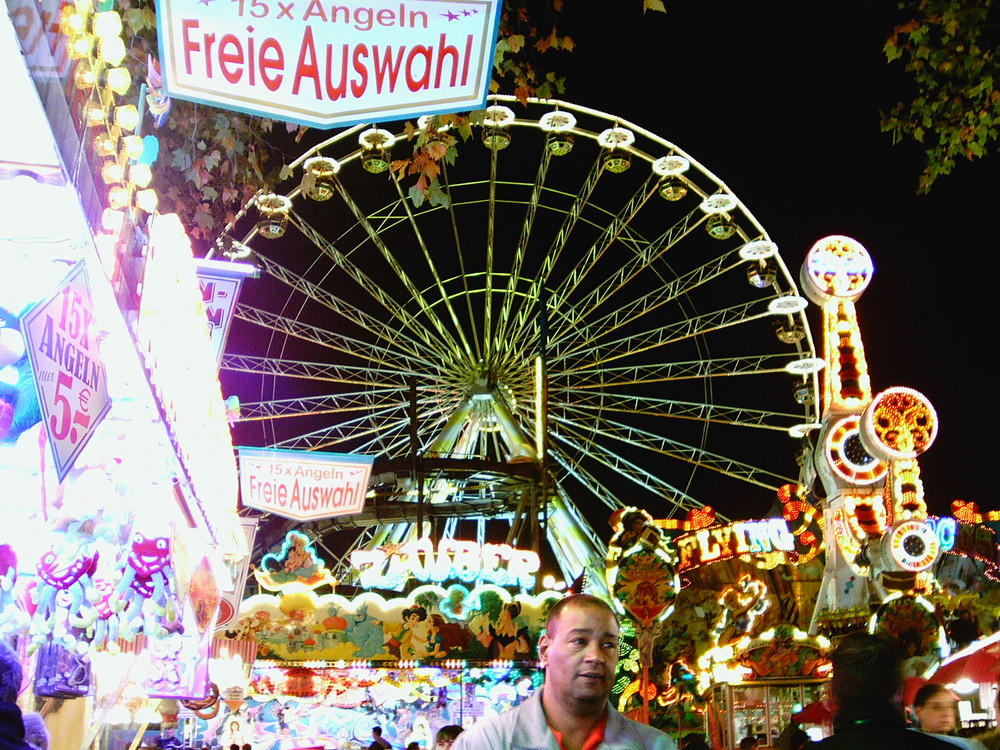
{"points": [[94, 40]]}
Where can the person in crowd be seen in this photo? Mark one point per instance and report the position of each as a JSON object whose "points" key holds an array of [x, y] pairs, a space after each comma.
{"points": [[378, 743], [36, 733], [936, 708], [694, 742], [748, 743], [446, 736], [867, 680], [579, 651], [793, 738], [413, 746], [11, 723]]}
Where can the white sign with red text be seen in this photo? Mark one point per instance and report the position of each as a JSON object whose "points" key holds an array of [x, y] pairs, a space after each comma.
{"points": [[303, 485], [61, 336], [329, 62]]}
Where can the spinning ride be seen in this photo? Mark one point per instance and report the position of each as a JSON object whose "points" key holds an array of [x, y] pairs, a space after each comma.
{"points": [[576, 317]]}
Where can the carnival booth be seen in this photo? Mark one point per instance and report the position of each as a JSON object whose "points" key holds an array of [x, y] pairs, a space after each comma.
{"points": [[120, 535], [456, 646]]}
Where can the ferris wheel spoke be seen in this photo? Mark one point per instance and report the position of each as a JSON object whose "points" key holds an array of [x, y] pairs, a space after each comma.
{"points": [[490, 252], [432, 266], [658, 444], [645, 254], [574, 448], [345, 345], [520, 250], [426, 309], [357, 375], [398, 315], [374, 426], [608, 402], [607, 351], [612, 231], [585, 323], [459, 255], [307, 406], [350, 312], [580, 201], [719, 367]]}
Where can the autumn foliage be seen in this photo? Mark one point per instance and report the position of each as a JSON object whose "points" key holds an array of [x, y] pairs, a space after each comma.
{"points": [[948, 47]]}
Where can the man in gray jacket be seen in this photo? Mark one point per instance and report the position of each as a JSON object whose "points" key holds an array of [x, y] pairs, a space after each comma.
{"points": [[579, 650]]}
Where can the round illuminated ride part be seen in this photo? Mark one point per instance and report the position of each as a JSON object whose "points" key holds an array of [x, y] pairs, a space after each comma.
{"points": [[758, 250], [671, 166], [846, 454], [665, 381], [557, 121], [836, 267], [913, 545], [899, 423]]}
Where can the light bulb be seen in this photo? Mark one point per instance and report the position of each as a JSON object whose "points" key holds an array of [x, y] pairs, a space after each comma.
{"points": [[132, 147], [84, 76], [147, 200], [112, 220], [104, 144], [118, 197], [107, 24], [95, 115], [118, 80], [140, 175], [79, 46], [71, 22], [112, 172], [111, 49], [127, 117]]}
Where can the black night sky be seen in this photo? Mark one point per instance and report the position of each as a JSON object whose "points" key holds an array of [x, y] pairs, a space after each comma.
{"points": [[782, 102]]}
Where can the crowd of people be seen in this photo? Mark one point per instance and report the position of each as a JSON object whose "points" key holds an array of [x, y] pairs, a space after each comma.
{"points": [[571, 711]]}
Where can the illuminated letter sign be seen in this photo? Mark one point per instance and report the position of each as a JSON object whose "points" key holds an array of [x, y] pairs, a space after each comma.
{"points": [[303, 485], [500, 564], [726, 542], [329, 63], [61, 335]]}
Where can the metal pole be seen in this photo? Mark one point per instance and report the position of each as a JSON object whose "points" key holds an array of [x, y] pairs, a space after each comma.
{"points": [[416, 475], [542, 416]]}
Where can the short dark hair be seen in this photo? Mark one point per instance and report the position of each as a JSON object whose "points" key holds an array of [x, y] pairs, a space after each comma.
{"points": [[10, 674], [866, 669], [449, 732], [377, 731], [929, 691], [576, 600]]}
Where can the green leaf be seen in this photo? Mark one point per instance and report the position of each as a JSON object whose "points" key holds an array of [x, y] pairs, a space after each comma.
{"points": [[416, 196], [211, 161], [285, 172], [180, 159]]}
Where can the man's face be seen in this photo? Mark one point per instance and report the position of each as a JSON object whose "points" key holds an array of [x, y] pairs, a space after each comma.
{"points": [[580, 655], [939, 715]]}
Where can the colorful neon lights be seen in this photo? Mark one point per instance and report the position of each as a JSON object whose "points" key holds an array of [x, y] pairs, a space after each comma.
{"points": [[387, 567], [726, 542]]}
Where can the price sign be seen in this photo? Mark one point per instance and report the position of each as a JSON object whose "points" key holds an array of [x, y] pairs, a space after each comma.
{"points": [[61, 335]]}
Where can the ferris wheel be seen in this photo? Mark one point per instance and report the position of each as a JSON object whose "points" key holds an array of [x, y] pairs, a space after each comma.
{"points": [[578, 317]]}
